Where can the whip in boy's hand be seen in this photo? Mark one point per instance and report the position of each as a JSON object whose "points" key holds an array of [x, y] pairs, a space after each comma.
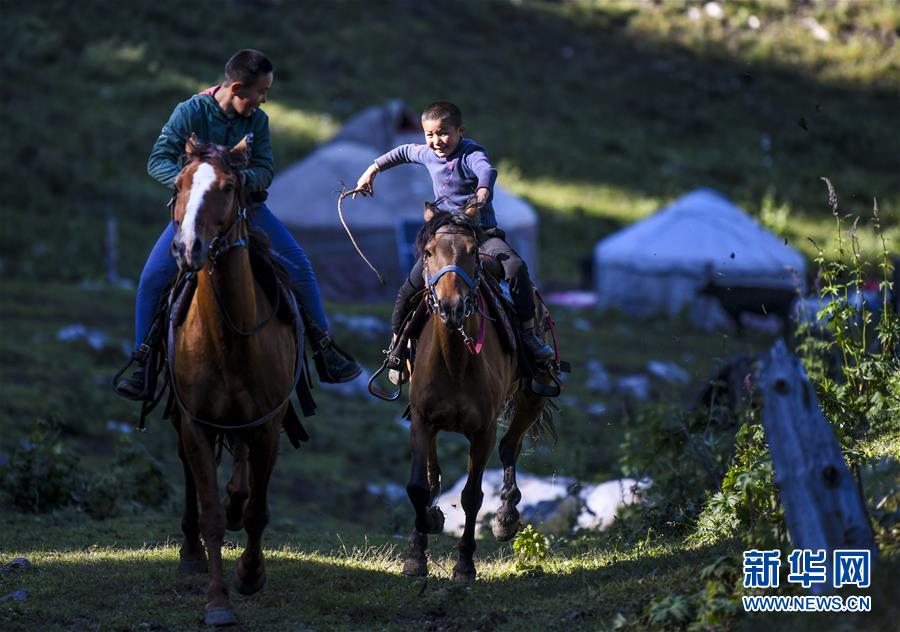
{"points": [[367, 181]]}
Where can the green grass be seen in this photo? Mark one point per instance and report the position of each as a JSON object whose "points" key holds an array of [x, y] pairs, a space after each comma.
{"points": [[323, 579]]}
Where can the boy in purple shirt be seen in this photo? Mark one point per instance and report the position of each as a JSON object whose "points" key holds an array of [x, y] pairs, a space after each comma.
{"points": [[459, 169]]}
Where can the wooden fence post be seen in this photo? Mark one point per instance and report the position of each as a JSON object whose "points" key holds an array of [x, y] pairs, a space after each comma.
{"points": [[822, 504]]}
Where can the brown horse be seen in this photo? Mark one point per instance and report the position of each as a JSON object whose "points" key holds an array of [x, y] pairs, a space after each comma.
{"points": [[461, 386], [231, 367]]}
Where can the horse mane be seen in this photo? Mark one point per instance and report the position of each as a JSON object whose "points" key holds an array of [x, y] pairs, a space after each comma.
{"points": [[445, 218], [203, 151], [211, 151]]}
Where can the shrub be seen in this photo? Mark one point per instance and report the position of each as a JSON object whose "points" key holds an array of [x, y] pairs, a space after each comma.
{"points": [[41, 473], [44, 474]]}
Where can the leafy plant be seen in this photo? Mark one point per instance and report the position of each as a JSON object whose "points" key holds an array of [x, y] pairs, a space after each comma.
{"points": [[853, 361], [44, 474], [748, 503], [530, 548], [670, 610], [684, 453], [41, 473]]}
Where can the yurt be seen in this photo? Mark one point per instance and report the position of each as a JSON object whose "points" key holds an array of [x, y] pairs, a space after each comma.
{"points": [[656, 265]]}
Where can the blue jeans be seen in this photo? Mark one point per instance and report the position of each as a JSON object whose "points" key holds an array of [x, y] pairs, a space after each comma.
{"points": [[161, 268]]}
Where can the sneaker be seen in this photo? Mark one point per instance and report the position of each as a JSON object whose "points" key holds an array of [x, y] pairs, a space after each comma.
{"points": [[539, 350]]}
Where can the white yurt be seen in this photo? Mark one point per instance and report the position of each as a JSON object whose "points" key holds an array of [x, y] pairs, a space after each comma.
{"points": [[305, 197], [656, 265]]}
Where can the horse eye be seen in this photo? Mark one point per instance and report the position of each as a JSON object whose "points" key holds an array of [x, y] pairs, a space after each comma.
{"points": [[427, 253], [228, 188]]}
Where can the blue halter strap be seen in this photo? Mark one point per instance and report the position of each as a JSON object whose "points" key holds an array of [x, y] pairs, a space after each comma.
{"points": [[462, 274]]}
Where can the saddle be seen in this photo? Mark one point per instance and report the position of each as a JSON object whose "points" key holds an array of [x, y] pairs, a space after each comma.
{"points": [[501, 312], [171, 313]]}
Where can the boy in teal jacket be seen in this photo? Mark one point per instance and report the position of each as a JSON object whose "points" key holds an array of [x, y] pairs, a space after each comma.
{"points": [[224, 114]]}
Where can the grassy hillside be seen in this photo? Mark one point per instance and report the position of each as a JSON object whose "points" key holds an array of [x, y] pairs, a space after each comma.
{"points": [[596, 112]]}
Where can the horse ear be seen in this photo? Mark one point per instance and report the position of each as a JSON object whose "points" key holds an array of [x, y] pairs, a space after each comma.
{"points": [[191, 145], [239, 155], [429, 211]]}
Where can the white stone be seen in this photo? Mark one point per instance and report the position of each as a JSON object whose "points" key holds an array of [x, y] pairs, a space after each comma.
{"points": [[714, 10]]}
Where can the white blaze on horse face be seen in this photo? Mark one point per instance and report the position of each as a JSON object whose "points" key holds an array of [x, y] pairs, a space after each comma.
{"points": [[203, 179]]}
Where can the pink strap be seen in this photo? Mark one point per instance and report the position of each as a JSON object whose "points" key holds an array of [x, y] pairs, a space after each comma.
{"points": [[477, 347]]}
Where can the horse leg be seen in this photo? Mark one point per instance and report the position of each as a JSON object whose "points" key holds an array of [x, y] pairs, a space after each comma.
{"points": [[429, 519], [434, 470], [480, 447], [199, 447], [238, 488], [192, 557], [528, 407], [250, 573]]}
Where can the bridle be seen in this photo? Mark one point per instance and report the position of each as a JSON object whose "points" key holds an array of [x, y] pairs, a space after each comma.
{"points": [[470, 301], [219, 245]]}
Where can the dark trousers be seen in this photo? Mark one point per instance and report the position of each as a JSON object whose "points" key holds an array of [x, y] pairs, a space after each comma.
{"points": [[515, 272]]}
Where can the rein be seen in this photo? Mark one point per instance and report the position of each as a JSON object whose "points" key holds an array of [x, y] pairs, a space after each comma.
{"points": [[298, 371], [215, 251]]}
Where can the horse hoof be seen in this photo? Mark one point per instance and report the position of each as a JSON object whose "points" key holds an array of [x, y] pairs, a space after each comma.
{"points": [[190, 565], [415, 567], [220, 617], [505, 531], [249, 588], [436, 520]]}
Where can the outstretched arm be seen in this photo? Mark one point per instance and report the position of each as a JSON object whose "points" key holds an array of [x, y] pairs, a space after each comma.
{"points": [[403, 154]]}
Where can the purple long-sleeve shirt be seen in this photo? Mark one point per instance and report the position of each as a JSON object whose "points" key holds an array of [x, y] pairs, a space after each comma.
{"points": [[455, 178]]}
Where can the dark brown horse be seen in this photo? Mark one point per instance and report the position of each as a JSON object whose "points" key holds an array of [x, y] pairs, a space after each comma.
{"points": [[462, 386], [231, 367]]}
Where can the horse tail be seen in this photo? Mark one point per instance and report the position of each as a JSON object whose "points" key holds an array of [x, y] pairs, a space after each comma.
{"points": [[545, 425]]}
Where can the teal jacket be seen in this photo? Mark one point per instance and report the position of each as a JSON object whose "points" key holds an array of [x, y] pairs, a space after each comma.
{"points": [[202, 116]]}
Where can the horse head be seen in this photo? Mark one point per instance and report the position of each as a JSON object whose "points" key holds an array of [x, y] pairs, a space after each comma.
{"points": [[448, 244], [207, 198]]}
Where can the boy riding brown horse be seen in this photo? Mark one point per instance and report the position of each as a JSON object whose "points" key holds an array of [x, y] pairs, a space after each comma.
{"points": [[464, 378]]}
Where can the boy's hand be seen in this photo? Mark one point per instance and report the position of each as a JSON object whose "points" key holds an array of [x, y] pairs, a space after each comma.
{"points": [[481, 195], [366, 182]]}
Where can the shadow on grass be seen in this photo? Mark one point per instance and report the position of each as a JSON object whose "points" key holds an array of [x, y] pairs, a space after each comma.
{"points": [[139, 588], [320, 580]]}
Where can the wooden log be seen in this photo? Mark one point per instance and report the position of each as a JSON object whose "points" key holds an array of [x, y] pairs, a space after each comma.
{"points": [[822, 503]]}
